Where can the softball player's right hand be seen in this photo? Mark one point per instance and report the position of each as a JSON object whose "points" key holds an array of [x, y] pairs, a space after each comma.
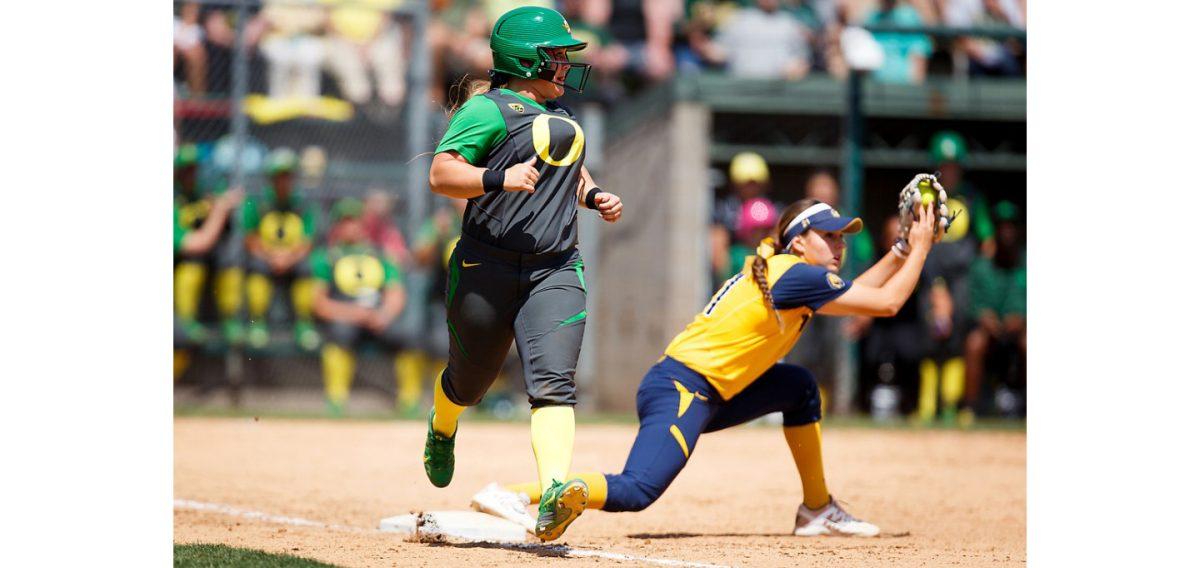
{"points": [[521, 177]]}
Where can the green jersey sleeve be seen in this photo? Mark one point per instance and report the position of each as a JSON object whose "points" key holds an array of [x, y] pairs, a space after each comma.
{"points": [[474, 130], [250, 216], [321, 270], [392, 274], [310, 222], [180, 230]]}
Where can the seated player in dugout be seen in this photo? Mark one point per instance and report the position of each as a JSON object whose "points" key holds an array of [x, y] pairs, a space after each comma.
{"points": [[190, 240], [359, 296], [195, 202], [280, 227], [723, 369]]}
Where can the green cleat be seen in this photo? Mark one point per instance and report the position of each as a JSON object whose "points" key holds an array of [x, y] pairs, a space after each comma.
{"points": [[561, 505], [232, 330], [439, 456], [306, 336], [257, 335]]}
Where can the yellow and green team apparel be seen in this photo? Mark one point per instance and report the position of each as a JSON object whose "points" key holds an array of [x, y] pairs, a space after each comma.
{"points": [[279, 225], [355, 273], [736, 338]]}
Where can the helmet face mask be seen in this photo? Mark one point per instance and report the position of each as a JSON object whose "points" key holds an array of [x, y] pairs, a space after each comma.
{"points": [[577, 73]]}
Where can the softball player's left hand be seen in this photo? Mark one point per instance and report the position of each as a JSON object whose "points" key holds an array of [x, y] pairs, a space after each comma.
{"points": [[609, 206]]}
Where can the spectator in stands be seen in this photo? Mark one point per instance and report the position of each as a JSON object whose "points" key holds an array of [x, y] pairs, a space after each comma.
{"points": [[459, 40], [986, 56], [905, 55], [701, 19], [364, 34], [189, 48], [762, 42], [748, 178], [998, 304], [280, 229], [359, 296], [294, 48], [644, 32], [605, 56], [195, 201]]}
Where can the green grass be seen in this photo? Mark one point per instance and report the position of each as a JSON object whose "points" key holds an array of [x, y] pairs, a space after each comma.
{"points": [[214, 555]]}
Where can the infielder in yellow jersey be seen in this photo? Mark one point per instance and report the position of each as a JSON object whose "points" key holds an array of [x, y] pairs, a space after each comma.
{"points": [[723, 369]]}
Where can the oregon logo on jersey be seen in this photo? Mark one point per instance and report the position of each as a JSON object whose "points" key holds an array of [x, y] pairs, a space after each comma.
{"points": [[281, 229], [557, 140], [358, 275], [193, 214]]}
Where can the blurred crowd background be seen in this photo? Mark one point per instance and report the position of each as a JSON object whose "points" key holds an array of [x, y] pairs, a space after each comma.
{"points": [[309, 252]]}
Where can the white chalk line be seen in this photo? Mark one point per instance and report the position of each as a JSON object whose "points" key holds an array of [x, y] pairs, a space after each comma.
{"points": [[228, 510]]}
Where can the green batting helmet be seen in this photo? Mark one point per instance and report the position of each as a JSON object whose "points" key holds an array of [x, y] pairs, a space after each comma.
{"points": [[521, 38], [281, 160], [346, 208], [947, 146]]}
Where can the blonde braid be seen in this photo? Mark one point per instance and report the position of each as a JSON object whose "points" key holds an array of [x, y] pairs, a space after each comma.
{"points": [[766, 249]]}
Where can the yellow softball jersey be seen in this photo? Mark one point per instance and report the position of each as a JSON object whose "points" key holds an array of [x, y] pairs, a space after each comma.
{"points": [[736, 338]]}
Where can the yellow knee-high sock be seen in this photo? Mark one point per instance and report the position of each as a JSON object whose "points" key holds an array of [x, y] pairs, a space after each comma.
{"points": [[410, 366], [596, 482], [303, 293], [181, 362], [337, 365], [805, 443], [927, 396], [229, 292], [954, 379], [552, 429], [258, 296], [445, 412], [189, 281]]}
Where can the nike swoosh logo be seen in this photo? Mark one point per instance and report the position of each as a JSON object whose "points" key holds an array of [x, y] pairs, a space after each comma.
{"points": [[466, 264]]}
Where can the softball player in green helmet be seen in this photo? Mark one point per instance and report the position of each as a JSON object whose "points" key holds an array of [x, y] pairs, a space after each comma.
{"points": [[517, 157]]}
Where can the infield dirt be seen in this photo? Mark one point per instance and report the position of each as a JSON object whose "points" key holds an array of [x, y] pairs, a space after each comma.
{"points": [[943, 497]]}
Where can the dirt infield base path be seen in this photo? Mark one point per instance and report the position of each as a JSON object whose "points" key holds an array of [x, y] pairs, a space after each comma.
{"points": [[948, 498]]}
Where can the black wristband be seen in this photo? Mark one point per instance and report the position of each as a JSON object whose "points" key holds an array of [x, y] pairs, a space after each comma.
{"points": [[493, 180], [590, 199]]}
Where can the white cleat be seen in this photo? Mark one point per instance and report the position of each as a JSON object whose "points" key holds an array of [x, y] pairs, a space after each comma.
{"points": [[831, 519], [500, 502]]}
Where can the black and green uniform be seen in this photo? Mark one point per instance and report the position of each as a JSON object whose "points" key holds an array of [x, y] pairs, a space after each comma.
{"points": [[516, 271], [358, 274], [279, 226]]}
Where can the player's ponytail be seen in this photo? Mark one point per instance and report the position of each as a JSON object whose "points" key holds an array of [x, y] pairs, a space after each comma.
{"points": [[771, 246], [464, 89]]}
